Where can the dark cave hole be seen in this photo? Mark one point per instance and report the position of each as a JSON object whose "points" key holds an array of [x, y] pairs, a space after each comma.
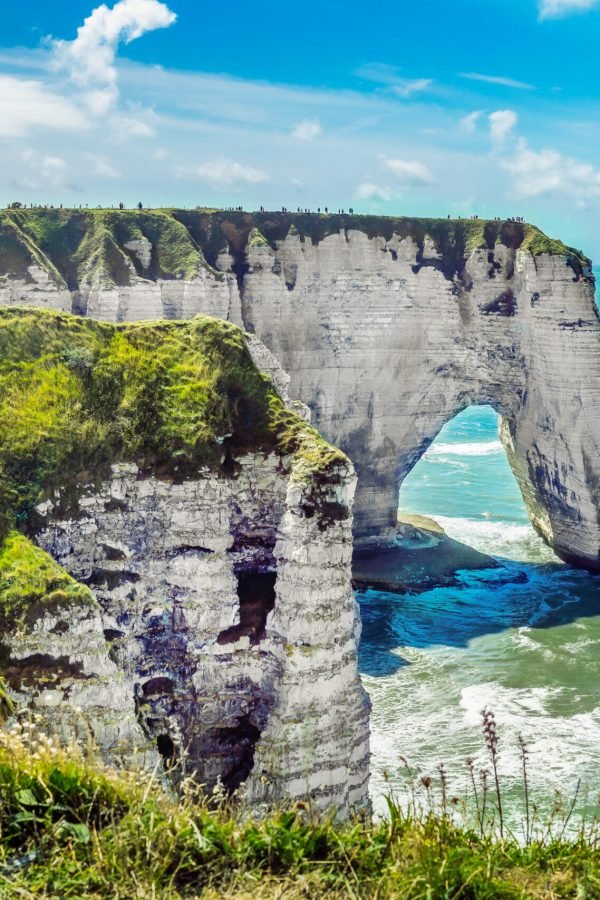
{"points": [[256, 593], [166, 748], [241, 742]]}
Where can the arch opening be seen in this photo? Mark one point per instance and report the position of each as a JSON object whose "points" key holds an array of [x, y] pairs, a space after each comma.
{"points": [[463, 486], [459, 508], [518, 634]]}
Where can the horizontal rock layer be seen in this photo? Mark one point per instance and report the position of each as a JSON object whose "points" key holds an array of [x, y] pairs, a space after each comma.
{"points": [[227, 627]]}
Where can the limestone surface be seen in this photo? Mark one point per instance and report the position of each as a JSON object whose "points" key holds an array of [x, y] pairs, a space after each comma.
{"points": [[227, 627], [387, 328]]}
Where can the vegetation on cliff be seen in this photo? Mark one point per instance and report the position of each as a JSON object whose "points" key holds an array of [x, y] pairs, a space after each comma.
{"points": [[31, 580], [71, 828], [97, 247], [92, 247], [77, 395]]}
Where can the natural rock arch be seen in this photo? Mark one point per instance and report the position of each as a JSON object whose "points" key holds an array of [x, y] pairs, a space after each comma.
{"points": [[386, 349], [387, 326]]}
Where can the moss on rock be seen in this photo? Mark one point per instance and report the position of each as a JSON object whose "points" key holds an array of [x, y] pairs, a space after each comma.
{"points": [[174, 397], [31, 580], [89, 247], [257, 239]]}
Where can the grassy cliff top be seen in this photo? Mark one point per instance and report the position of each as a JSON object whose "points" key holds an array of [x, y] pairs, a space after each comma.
{"points": [[101, 246], [174, 397]]}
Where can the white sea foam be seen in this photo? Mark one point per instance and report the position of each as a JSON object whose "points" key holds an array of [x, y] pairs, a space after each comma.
{"points": [[504, 539], [473, 448]]}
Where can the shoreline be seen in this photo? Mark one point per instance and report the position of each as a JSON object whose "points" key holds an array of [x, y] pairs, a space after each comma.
{"points": [[421, 557]]}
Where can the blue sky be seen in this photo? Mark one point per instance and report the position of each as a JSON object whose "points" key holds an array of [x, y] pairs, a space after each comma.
{"points": [[463, 107]]}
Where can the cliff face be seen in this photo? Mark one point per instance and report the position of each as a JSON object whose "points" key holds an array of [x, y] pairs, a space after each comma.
{"points": [[179, 583], [387, 327]]}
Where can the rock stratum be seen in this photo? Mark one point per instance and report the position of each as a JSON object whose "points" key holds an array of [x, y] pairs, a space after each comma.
{"points": [[175, 548], [387, 327]]}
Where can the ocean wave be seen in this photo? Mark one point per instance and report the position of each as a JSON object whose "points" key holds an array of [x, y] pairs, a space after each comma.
{"points": [[472, 448], [510, 540]]}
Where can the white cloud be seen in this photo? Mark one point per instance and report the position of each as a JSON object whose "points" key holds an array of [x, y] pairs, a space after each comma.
{"points": [[408, 88], [26, 104], [307, 130], [224, 173], [100, 166], [381, 73], [369, 191], [501, 80], [41, 171], [554, 9], [410, 172], [90, 58], [502, 123], [469, 123], [125, 127], [549, 172]]}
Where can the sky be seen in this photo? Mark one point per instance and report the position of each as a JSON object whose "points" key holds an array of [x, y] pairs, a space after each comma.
{"points": [[486, 107]]}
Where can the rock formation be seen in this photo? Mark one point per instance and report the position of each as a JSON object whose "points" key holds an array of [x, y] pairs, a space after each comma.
{"points": [[387, 328], [175, 551]]}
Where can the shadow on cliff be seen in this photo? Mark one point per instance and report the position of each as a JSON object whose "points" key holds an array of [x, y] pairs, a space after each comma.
{"points": [[514, 595]]}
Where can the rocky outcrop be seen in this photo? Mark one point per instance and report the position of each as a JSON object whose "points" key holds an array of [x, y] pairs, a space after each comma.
{"points": [[421, 556], [387, 328], [195, 607], [229, 619]]}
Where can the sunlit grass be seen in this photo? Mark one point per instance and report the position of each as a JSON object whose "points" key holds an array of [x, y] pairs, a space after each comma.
{"points": [[71, 827]]}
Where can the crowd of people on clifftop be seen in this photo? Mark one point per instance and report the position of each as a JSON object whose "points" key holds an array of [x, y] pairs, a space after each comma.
{"points": [[496, 218], [240, 209]]}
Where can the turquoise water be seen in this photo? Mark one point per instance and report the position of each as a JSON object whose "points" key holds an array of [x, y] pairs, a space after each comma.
{"points": [[522, 640]]}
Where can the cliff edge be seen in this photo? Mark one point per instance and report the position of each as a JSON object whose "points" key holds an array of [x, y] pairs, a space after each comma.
{"points": [[387, 327], [175, 549]]}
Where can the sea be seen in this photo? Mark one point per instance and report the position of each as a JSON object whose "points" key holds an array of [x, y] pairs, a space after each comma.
{"points": [[521, 640]]}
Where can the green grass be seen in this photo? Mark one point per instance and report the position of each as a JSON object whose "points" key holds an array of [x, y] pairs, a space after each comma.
{"points": [[174, 397], [88, 247], [72, 828], [31, 582]]}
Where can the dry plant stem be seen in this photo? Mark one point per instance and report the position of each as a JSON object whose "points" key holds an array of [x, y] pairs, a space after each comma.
{"points": [[484, 784], [443, 787], [524, 753], [491, 740], [571, 809], [471, 768]]}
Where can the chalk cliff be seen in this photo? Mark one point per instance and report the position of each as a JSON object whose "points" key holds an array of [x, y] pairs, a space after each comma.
{"points": [[387, 328], [175, 550]]}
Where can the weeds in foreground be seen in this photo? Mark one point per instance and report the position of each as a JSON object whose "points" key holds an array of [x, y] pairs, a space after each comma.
{"points": [[485, 815], [71, 827]]}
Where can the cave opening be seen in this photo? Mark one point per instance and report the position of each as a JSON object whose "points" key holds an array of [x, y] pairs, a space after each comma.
{"points": [[240, 743], [256, 593], [166, 748]]}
